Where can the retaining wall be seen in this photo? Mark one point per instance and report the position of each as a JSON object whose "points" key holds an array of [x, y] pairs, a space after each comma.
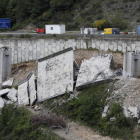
{"points": [[31, 49]]}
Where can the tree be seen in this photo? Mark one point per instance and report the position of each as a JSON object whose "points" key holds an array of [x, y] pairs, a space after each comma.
{"points": [[118, 22], [61, 4]]}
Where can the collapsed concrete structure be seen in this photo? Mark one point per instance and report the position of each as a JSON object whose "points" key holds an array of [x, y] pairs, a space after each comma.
{"points": [[5, 63], [131, 64], [27, 90], [56, 74], [95, 69]]}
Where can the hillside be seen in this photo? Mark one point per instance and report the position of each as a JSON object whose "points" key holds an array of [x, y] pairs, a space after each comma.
{"points": [[121, 13]]}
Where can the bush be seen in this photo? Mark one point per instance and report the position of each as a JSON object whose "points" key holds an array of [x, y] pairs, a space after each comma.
{"points": [[25, 36], [61, 4], [48, 120], [101, 24], [138, 20]]}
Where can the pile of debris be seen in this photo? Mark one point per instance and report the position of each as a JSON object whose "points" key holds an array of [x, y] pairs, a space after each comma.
{"points": [[7, 95], [127, 92], [59, 73]]}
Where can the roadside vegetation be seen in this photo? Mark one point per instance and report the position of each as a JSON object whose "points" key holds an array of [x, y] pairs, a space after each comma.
{"points": [[73, 13]]}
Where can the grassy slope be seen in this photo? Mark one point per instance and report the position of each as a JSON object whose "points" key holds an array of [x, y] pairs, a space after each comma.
{"points": [[87, 110]]}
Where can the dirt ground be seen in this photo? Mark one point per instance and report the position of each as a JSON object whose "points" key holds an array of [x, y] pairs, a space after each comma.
{"points": [[79, 132], [21, 71], [80, 55]]}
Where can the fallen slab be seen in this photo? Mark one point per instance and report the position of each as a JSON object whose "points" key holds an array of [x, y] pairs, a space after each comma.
{"points": [[12, 95], [4, 91], [32, 90], [55, 74], [1, 103], [105, 111], [95, 69], [8, 83], [23, 98]]}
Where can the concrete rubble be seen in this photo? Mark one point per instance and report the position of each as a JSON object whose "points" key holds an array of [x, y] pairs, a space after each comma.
{"points": [[32, 90], [127, 92], [4, 91], [105, 111], [1, 103], [59, 73], [55, 74], [27, 90], [23, 98], [8, 83], [12, 95], [95, 69]]}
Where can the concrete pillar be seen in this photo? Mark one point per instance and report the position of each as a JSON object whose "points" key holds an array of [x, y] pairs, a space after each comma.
{"points": [[1, 59], [5, 63], [131, 64]]}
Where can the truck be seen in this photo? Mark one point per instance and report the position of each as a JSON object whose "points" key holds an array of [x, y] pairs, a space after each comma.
{"points": [[111, 31]]}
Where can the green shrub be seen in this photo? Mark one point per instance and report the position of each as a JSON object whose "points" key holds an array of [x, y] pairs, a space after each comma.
{"points": [[15, 124], [138, 20], [9, 36], [25, 36], [118, 22], [16, 87]]}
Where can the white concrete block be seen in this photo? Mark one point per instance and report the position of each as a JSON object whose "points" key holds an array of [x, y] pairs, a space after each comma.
{"points": [[23, 98], [8, 83], [54, 80], [32, 91], [4, 91], [102, 47], [133, 47], [90, 68], [129, 48], [1, 103], [120, 48], [12, 95]]}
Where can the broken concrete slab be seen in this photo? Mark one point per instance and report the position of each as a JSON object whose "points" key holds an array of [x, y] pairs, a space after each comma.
{"points": [[4, 91], [95, 69], [32, 90], [105, 111], [12, 95], [1, 103], [8, 83], [23, 98], [55, 74]]}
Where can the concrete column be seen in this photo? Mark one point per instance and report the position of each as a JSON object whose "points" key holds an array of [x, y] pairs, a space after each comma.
{"points": [[5, 63], [1, 59]]}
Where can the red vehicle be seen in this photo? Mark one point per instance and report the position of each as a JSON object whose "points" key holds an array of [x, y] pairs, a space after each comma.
{"points": [[40, 31]]}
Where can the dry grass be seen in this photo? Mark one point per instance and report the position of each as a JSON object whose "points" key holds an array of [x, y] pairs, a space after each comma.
{"points": [[47, 119]]}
